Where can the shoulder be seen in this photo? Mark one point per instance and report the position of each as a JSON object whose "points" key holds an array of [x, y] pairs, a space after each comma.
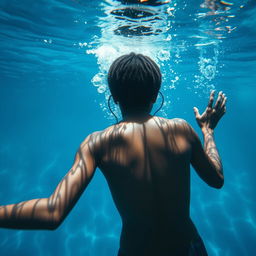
{"points": [[174, 122], [181, 123], [96, 141], [93, 140], [90, 145], [186, 129], [179, 126]]}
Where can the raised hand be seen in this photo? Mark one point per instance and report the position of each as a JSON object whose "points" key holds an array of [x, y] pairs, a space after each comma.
{"points": [[211, 116]]}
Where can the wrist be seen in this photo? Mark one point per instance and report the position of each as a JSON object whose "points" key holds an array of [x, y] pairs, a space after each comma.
{"points": [[207, 130]]}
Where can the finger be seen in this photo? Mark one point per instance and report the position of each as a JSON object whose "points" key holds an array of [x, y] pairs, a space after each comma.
{"points": [[221, 114], [222, 110], [196, 112], [224, 103], [219, 101], [211, 99]]}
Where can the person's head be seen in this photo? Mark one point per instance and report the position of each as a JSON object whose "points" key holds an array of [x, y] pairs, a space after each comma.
{"points": [[134, 81]]}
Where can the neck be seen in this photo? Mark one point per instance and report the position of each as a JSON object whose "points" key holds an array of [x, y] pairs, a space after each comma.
{"points": [[135, 116], [139, 114]]}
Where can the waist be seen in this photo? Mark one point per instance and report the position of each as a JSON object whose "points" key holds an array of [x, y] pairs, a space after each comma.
{"points": [[157, 240]]}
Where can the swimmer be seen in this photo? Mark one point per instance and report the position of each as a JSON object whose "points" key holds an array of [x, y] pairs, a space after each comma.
{"points": [[146, 161]]}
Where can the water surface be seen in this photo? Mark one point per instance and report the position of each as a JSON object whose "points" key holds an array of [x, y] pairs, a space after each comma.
{"points": [[54, 59]]}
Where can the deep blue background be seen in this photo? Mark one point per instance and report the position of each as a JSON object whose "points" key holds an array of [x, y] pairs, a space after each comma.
{"points": [[48, 106]]}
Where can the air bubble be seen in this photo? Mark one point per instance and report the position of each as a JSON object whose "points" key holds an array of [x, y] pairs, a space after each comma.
{"points": [[168, 38], [98, 80], [209, 72], [101, 89], [82, 44], [163, 55]]}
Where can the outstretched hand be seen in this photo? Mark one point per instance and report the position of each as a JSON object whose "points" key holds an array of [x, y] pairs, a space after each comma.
{"points": [[212, 115]]}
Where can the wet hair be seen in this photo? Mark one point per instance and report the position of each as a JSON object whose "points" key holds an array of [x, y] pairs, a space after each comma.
{"points": [[134, 80]]}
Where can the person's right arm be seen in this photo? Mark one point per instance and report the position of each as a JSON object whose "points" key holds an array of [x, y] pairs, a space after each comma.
{"points": [[206, 161], [49, 213]]}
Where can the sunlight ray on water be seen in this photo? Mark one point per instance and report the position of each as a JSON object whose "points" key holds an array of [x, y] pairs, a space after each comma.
{"points": [[155, 31], [139, 29], [49, 51]]}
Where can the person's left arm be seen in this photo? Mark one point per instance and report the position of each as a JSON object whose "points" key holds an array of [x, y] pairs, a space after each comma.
{"points": [[48, 213]]}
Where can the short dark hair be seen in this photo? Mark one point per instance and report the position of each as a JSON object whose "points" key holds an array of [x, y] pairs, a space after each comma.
{"points": [[134, 80]]}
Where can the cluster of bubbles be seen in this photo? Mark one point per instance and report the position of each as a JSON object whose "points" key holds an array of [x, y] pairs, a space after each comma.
{"points": [[219, 15], [111, 44], [207, 64], [164, 55], [215, 23], [106, 54], [124, 29]]}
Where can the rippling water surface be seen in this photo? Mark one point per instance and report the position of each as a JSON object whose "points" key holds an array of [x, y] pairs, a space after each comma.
{"points": [[54, 57]]}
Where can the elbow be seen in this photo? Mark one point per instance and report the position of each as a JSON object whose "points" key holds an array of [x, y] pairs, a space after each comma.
{"points": [[218, 184], [55, 223], [217, 180], [53, 226]]}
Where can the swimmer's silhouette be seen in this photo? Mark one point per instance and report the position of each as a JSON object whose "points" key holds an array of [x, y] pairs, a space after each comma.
{"points": [[146, 162]]}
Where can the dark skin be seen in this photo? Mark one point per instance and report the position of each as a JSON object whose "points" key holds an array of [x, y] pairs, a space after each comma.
{"points": [[146, 161]]}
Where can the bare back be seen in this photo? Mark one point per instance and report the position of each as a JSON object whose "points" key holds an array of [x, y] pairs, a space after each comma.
{"points": [[147, 167]]}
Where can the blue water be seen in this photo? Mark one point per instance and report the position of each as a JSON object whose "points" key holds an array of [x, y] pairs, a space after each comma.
{"points": [[54, 56]]}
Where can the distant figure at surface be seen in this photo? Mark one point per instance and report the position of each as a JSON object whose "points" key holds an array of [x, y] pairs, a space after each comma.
{"points": [[146, 162]]}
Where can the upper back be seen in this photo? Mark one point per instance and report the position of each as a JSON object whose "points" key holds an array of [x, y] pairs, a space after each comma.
{"points": [[144, 162], [128, 143]]}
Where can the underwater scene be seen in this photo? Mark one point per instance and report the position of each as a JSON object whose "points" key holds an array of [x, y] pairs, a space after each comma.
{"points": [[54, 60]]}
